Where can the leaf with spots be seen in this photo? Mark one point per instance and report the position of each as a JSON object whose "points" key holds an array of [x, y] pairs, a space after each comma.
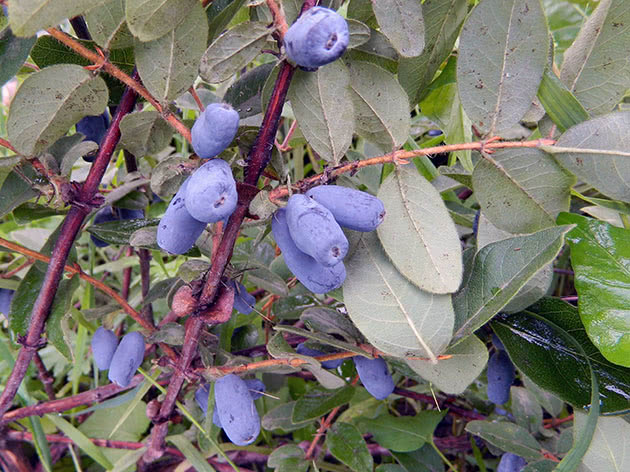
{"points": [[401, 21]]}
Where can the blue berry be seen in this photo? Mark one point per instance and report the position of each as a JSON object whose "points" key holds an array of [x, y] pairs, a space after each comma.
{"points": [[306, 351], [214, 130], [211, 195], [244, 302], [315, 231], [318, 37], [5, 300], [104, 343], [236, 410], [255, 386], [127, 358], [313, 275], [511, 463], [497, 343], [374, 376], [94, 129], [177, 230], [500, 375], [352, 208], [434, 132]]}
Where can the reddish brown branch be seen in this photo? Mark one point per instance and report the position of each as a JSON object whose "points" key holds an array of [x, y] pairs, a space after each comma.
{"points": [[68, 233], [45, 376]]}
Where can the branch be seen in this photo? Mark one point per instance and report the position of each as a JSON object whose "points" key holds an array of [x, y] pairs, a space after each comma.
{"points": [[278, 17], [111, 69], [402, 157], [56, 266]]}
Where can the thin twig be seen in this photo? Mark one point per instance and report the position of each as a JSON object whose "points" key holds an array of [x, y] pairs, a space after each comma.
{"points": [[278, 17], [11, 273], [45, 376]]}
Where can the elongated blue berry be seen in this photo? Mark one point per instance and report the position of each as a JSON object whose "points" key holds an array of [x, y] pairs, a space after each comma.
{"points": [[318, 37], [500, 375], [511, 463], [94, 129], [211, 193], [315, 230], [353, 209], [244, 301], [127, 358], [214, 130], [6, 295], [374, 376], [313, 275], [177, 230], [236, 409], [104, 344], [306, 351]]}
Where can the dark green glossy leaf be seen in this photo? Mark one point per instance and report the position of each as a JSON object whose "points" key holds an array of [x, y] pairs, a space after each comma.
{"points": [[319, 401], [56, 324], [600, 255], [540, 350], [119, 232], [244, 94], [220, 13], [13, 53], [425, 459], [404, 433], [348, 446]]}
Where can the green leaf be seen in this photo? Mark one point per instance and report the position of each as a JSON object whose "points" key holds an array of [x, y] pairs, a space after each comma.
{"points": [[607, 448], [108, 25], [526, 409], [596, 151], [547, 400], [280, 418], [289, 458], [322, 104], [49, 102], [595, 67], [321, 338], [537, 345], [425, 459], [15, 190], [401, 21], [168, 65], [233, 50], [56, 325], [454, 375], [80, 440], [245, 94], [330, 321], [559, 103], [13, 53], [499, 271], [599, 256], [28, 212], [409, 321], [346, 444], [502, 57], [508, 437], [220, 13], [380, 106], [48, 51], [149, 20], [403, 433], [443, 19], [525, 179], [27, 17], [144, 132], [268, 280], [119, 232], [196, 459], [359, 33], [376, 50], [418, 234], [319, 401]]}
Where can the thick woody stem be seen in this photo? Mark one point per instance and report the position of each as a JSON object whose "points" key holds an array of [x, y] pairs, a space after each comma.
{"points": [[69, 230]]}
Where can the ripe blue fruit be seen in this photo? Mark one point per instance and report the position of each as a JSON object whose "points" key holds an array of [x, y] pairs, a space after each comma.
{"points": [[94, 129], [313, 275], [306, 351], [511, 463], [351, 208], [255, 386], [500, 377], [434, 132], [109, 213], [211, 195], [374, 376], [244, 301], [177, 230], [127, 358], [315, 231], [214, 130], [318, 37], [5, 300], [236, 409], [497, 343], [104, 343]]}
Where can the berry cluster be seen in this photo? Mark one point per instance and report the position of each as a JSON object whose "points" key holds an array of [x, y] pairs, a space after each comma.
{"points": [[234, 409], [308, 231], [209, 194], [122, 359], [318, 37]]}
